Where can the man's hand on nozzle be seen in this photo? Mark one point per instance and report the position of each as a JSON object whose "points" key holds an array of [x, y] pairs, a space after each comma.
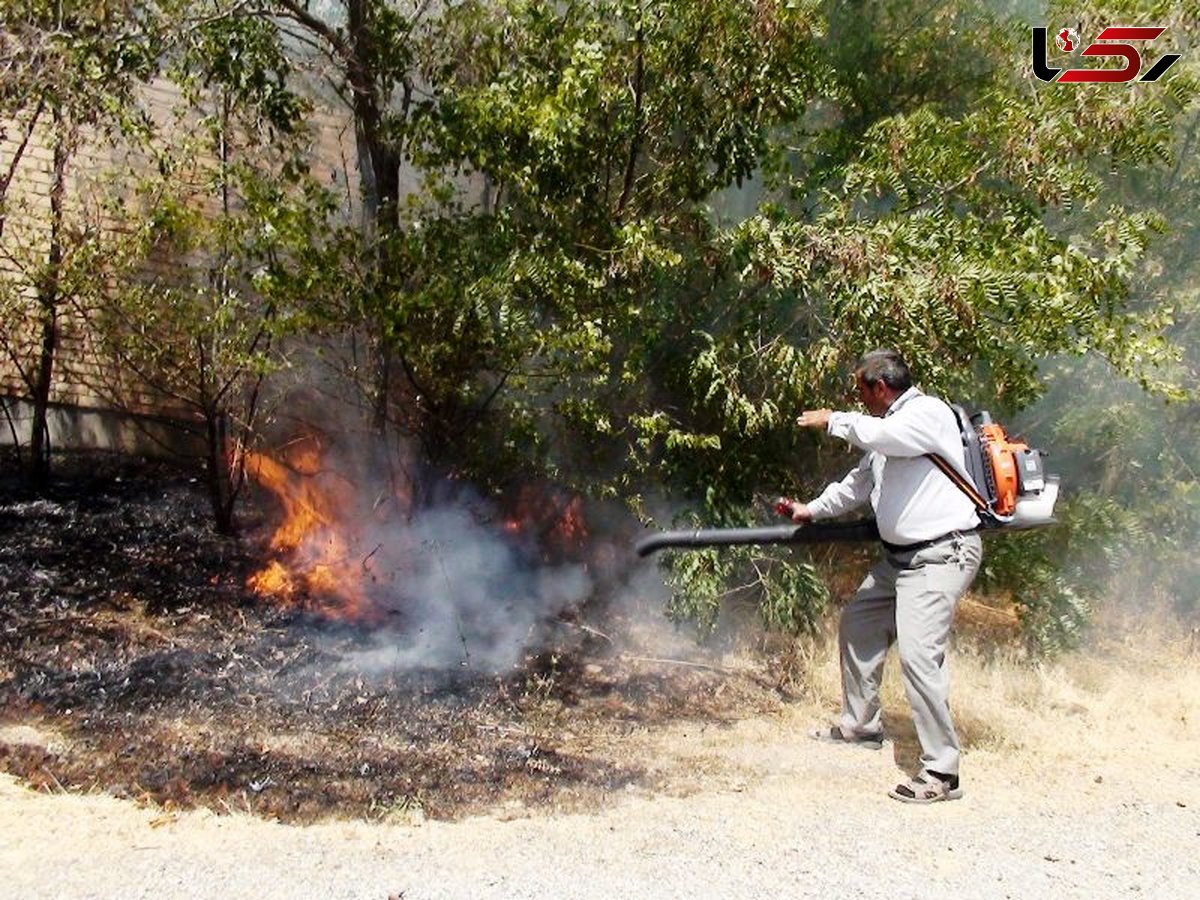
{"points": [[814, 418], [797, 512]]}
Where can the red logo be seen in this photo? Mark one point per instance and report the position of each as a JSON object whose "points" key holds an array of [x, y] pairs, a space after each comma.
{"points": [[1107, 43]]}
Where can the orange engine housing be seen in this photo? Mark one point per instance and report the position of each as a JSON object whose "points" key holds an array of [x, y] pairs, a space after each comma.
{"points": [[1001, 455]]}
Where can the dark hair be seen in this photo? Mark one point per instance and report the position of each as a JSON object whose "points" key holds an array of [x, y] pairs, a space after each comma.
{"points": [[887, 366]]}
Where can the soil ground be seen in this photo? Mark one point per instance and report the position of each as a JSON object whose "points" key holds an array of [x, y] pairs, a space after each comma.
{"points": [[766, 813]]}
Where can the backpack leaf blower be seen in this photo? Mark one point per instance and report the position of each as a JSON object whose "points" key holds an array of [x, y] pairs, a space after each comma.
{"points": [[1005, 479]]}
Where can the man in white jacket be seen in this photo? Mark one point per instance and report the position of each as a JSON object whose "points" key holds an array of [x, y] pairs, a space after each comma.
{"points": [[931, 555]]}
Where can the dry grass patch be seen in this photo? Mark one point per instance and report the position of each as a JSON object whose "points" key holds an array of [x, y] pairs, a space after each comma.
{"points": [[1131, 695]]}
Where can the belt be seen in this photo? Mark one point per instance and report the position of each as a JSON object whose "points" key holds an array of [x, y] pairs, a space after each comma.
{"points": [[922, 545]]}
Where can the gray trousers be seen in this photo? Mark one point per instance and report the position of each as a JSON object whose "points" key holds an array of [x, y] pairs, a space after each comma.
{"points": [[908, 599]]}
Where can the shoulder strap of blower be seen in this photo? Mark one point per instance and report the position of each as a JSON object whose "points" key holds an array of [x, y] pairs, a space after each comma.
{"points": [[977, 472], [987, 518]]}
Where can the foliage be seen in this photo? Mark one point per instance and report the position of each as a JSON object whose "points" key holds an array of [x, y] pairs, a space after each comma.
{"points": [[195, 333], [786, 586], [790, 595], [634, 238], [1132, 441], [964, 221], [182, 264], [565, 296], [65, 67], [231, 209], [591, 130], [85, 58]]}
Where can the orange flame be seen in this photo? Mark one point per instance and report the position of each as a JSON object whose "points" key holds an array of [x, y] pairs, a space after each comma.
{"points": [[320, 559], [556, 521], [316, 566]]}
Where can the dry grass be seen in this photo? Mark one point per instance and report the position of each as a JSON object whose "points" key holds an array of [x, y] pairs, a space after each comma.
{"points": [[1133, 693], [1131, 696]]}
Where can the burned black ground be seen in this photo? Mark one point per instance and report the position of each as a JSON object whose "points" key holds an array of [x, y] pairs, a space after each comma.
{"points": [[130, 645]]}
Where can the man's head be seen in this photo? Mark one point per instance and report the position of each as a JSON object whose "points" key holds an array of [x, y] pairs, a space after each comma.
{"points": [[881, 376]]}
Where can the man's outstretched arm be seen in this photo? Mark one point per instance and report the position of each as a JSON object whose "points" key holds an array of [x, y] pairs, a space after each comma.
{"points": [[839, 497]]}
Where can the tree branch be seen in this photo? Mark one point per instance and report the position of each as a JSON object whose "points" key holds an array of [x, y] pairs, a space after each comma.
{"points": [[948, 189], [19, 152], [635, 140], [297, 13]]}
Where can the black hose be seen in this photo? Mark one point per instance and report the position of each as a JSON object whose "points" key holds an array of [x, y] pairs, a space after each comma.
{"points": [[824, 533]]}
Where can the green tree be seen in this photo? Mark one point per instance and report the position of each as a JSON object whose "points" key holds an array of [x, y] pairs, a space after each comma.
{"points": [[552, 281], [70, 73], [1130, 443], [596, 131], [566, 299], [230, 212], [958, 213], [365, 50]]}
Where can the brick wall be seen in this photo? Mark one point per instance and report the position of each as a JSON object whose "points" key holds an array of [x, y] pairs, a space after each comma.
{"points": [[100, 170]]}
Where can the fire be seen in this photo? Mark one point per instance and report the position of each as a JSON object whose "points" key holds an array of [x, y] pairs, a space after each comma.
{"points": [[317, 565], [327, 555], [273, 581], [571, 527], [553, 519]]}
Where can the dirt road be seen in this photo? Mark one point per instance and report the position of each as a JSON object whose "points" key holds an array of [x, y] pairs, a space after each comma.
{"points": [[769, 814]]}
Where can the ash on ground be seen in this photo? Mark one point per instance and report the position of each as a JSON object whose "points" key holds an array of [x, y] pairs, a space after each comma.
{"points": [[134, 661]]}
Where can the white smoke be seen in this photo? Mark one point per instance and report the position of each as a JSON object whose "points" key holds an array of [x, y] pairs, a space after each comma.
{"points": [[460, 595]]}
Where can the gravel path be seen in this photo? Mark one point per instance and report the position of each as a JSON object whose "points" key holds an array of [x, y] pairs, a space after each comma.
{"points": [[779, 816]]}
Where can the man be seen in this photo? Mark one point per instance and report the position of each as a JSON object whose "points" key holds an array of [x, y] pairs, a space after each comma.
{"points": [[931, 555]]}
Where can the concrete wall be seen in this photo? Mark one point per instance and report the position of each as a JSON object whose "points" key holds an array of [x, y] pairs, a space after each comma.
{"points": [[92, 428]]}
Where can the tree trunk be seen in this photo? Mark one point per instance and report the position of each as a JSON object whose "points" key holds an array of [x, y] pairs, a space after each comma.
{"points": [[379, 156], [381, 379], [48, 300], [217, 472]]}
